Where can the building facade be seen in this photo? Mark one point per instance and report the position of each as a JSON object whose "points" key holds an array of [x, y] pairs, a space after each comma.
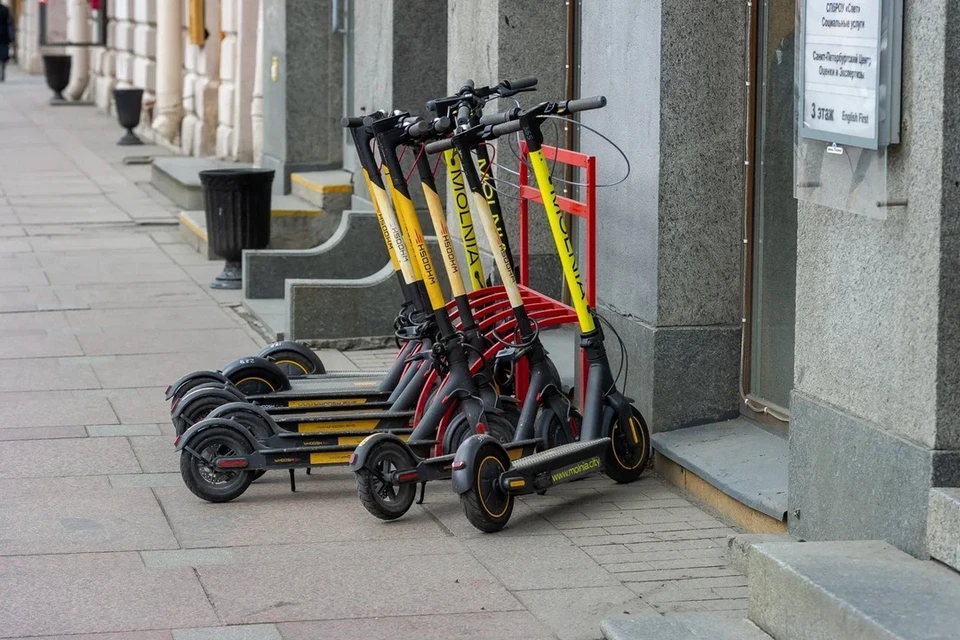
{"points": [[747, 313]]}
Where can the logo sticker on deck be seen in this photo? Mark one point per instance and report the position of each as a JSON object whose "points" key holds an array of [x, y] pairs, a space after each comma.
{"points": [[579, 469]]}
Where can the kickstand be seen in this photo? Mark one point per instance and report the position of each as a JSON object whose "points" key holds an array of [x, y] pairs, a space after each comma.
{"points": [[293, 481], [308, 470], [423, 489]]}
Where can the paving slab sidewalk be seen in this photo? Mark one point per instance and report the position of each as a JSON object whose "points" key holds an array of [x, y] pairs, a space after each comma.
{"points": [[100, 307]]}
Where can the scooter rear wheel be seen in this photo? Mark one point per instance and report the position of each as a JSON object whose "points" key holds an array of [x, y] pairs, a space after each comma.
{"points": [[486, 505], [206, 481], [380, 497], [293, 363], [498, 426], [198, 409], [625, 461]]}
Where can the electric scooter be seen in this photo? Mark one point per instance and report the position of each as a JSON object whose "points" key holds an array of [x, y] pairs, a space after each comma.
{"points": [[387, 469], [613, 439]]}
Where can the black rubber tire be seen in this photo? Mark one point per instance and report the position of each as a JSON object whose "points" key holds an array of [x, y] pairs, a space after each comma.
{"points": [[197, 409], [487, 507], [387, 502], [302, 359], [199, 478], [551, 431], [624, 461], [498, 426], [255, 425], [252, 376]]}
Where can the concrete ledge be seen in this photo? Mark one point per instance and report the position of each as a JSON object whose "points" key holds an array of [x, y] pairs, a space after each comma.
{"points": [[852, 480], [691, 626], [343, 314], [329, 190], [348, 253], [294, 225], [350, 314], [863, 590], [740, 458], [193, 230], [943, 526], [750, 519]]}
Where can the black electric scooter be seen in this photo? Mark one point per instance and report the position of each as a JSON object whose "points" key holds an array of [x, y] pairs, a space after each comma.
{"points": [[387, 469], [614, 438]]}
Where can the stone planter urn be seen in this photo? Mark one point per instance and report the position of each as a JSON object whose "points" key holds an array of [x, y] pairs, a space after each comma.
{"points": [[237, 207], [129, 104], [56, 69]]}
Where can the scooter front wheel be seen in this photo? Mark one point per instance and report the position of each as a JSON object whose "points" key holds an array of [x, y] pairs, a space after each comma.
{"points": [[626, 461], [487, 506], [199, 471], [379, 496]]}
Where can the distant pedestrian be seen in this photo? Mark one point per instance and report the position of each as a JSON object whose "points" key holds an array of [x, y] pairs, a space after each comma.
{"points": [[6, 39]]}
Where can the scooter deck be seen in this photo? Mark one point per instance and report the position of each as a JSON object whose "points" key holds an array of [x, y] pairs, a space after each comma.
{"points": [[554, 466], [343, 421], [326, 383]]}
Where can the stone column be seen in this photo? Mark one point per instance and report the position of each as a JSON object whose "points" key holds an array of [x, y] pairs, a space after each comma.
{"points": [[78, 30], [302, 93], [169, 109], [238, 57], [493, 40], [876, 404], [256, 103], [201, 82], [670, 237]]}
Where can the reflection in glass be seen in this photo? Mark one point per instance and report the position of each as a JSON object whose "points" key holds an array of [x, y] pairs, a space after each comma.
{"points": [[775, 211]]}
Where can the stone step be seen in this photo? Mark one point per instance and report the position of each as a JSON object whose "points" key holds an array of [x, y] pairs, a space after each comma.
{"points": [[688, 626], [329, 190], [178, 178], [294, 224], [736, 466], [943, 526], [865, 590]]}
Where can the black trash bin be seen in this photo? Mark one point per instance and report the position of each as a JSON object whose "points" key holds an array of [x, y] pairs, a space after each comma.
{"points": [[237, 207]]}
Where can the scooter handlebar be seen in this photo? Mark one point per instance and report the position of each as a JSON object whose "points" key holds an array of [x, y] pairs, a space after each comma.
{"points": [[359, 121], [585, 104], [522, 83], [500, 118], [506, 128], [439, 146]]}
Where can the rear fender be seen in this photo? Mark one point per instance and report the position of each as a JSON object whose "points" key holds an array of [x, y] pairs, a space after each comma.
{"points": [[190, 435], [360, 455], [465, 462], [198, 396], [251, 416], [191, 380], [288, 345]]}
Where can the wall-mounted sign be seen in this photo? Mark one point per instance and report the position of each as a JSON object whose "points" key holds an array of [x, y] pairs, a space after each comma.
{"points": [[850, 77]]}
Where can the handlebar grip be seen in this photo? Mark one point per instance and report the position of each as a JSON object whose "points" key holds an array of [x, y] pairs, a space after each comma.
{"points": [[443, 125], [522, 83], [419, 129], [506, 128], [439, 146], [352, 123], [585, 104], [499, 118], [463, 114]]}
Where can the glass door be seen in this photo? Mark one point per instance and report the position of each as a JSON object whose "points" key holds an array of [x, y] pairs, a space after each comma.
{"points": [[775, 212]]}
